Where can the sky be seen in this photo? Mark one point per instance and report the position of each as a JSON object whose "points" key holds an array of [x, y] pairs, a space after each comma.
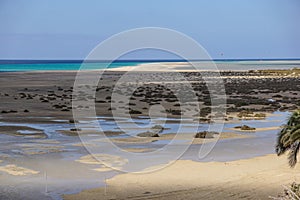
{"points": [[70, 29]]}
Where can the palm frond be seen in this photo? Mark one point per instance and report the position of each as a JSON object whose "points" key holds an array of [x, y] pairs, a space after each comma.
{"points": [[289, 138], [294, 135], [283, 136], [293, 154]]}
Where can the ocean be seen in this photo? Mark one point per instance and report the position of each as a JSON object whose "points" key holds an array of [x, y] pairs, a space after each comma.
{"points": [[54, 65], [13, 66]]}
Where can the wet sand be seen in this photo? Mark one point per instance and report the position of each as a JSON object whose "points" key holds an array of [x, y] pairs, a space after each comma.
{"points": [[38, 138]]}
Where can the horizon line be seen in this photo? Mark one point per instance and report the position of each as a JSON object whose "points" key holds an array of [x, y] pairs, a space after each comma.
{"points": [[36, 61]]}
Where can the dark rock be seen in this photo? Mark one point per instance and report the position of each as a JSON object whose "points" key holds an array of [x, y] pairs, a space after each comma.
{"points": [[73, 121], [75, 129], [148, 134], [100, 101], [206, 134], [245, 128], [158, 128], [135, 112]]}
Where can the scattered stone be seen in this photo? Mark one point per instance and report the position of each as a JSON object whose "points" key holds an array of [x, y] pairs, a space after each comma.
{"points": [[148, 134], [58, 106], [135, 112], [75, 129], [173, 112], [113, 133], [251, 115], [245, 128], [8, 111], [206, 134], [100, 101], [158, 128], [73, 121]]}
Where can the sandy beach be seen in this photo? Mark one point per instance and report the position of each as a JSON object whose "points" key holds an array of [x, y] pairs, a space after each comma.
{"points": [[43, 157], [137, 100], [256, 178]]}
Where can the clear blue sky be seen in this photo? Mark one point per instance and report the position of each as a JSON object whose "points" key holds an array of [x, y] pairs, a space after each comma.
{"points": [[70, 29]]}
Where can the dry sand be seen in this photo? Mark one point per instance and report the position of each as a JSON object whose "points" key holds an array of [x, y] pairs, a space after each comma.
{"points": [[256, 178]]}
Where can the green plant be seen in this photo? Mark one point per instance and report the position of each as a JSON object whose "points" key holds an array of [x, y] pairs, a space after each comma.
{"points": [[289, 138]]}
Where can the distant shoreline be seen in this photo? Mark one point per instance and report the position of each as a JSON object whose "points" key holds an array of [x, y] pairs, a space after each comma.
{"points": [[148, 65], [57, 61]]}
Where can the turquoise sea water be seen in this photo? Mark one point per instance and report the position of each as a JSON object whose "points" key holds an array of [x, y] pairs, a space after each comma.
{"points": [[10, 65], [61, 66]]}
